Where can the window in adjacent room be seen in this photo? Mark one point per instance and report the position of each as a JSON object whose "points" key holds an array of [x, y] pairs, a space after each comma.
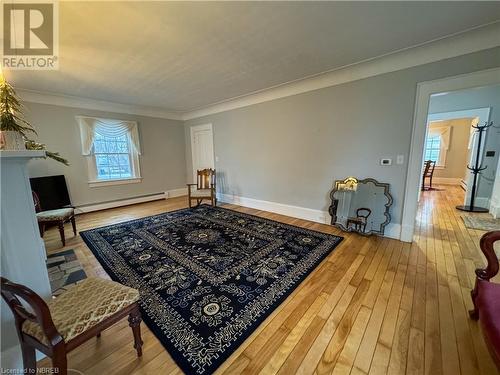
{"points": [[436, 147], [433, 148], [112, 150]]}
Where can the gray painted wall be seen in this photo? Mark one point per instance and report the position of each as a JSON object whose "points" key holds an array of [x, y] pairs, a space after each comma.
{"points": [[162, 161], [290, 150], [470, 99]]}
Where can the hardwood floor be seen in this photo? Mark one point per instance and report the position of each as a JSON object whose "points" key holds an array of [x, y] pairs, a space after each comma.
{"points": [[374, 306]]}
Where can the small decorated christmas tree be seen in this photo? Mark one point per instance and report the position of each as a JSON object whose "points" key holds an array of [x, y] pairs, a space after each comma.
{"points": [[12, 120]]}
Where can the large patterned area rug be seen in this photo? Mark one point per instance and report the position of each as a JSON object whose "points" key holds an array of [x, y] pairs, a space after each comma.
{"points": [[207, 276]]}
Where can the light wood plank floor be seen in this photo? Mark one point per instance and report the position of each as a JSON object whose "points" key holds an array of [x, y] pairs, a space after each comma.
{"points": [[374, 306]]}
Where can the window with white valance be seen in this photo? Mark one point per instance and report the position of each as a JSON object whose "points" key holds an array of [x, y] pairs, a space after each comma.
{"points": [[112, 150], [437, 144]]}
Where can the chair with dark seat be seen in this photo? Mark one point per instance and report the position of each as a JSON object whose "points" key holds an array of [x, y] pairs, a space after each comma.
{"points": [[204, 188], [359, 222], [486, 297], [54, 217], [60, 325], [429, 166]]}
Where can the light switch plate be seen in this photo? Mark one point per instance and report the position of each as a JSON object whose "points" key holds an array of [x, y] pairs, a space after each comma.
{"points": [[385, 161], [400, 159]]}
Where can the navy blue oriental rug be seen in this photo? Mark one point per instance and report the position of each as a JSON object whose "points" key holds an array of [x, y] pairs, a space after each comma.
{"points": [[207, 276]]}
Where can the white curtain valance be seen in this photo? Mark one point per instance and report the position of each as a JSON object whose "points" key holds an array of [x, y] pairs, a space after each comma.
{"points": [[90, 126], [444, 133]]}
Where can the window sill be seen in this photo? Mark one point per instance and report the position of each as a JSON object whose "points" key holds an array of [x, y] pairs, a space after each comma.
{"points": [[122, 181]]}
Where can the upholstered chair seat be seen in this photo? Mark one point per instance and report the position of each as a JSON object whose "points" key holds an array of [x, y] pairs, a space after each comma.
{"points": [[200, 192], [84, 306], [58, 216], [204, 188], [54, 215]]}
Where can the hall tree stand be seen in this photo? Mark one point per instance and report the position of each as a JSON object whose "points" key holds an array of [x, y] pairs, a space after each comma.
{"points": [[22, 250], [480, 129]]}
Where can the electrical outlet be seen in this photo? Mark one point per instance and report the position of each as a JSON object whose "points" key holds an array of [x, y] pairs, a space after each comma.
{"points": [[386, 161]]}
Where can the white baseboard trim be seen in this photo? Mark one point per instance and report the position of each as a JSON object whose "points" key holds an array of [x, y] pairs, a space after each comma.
{"points": [[318, 216], [482, 202], [407, 233], [393, 231], [12, 359], [126, 202], [176, 192], [495, 210], [447, 180]]}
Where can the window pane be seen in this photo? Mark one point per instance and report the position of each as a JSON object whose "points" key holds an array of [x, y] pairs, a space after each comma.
{"points": [[113, 157], [432, 148], [122, 147]]}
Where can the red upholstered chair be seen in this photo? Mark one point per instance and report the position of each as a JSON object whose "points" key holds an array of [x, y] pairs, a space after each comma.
{"points": [[486, 297]]}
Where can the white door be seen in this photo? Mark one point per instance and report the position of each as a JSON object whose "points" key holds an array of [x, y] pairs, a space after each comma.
{"points": [[202, 148]]}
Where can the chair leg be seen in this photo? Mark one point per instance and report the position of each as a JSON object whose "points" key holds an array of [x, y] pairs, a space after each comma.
{"points": [[41, 228], [474, 314], [29, 359], [98, 335], [73, 224], [59, 360], [61, 232], [134, 320]]}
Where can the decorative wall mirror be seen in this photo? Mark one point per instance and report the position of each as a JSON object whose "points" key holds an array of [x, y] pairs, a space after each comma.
{"points": [[360, 206]]}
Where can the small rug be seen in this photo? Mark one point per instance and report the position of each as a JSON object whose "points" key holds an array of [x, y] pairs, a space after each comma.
{"points": [[481, 222], [208, 276], [64, 270]]}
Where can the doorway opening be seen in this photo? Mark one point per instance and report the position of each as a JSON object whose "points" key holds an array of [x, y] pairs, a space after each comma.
{"points": [[471, 98], [202, 148]]}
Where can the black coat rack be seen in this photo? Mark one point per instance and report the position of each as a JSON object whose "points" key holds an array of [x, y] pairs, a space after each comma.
{"points": [[476, 170]]}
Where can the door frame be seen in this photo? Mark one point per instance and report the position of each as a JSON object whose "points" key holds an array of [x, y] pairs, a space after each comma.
{"points": [[192, 129], [424, 91], [483, 115]]}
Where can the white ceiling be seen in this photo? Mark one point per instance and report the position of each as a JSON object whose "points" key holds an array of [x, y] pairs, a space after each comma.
{"points": [[181, 56]]}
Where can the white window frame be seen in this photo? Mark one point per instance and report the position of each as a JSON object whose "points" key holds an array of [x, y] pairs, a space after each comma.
{"points": [[441, 162], [445, 131], [93, 179], [134, 164]]}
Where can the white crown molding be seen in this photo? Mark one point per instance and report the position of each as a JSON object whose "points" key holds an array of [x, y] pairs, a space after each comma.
{"points": [[462, 43], [99, 105]]}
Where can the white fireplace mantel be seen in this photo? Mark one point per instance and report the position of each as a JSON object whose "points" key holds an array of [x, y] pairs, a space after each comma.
{"points": [[22, 250]]}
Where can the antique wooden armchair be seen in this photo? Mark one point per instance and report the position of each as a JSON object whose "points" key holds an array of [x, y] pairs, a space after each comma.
{"points": [[51, 217], [486, 296], [61, 324], [204, 188], [429, 167]]}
